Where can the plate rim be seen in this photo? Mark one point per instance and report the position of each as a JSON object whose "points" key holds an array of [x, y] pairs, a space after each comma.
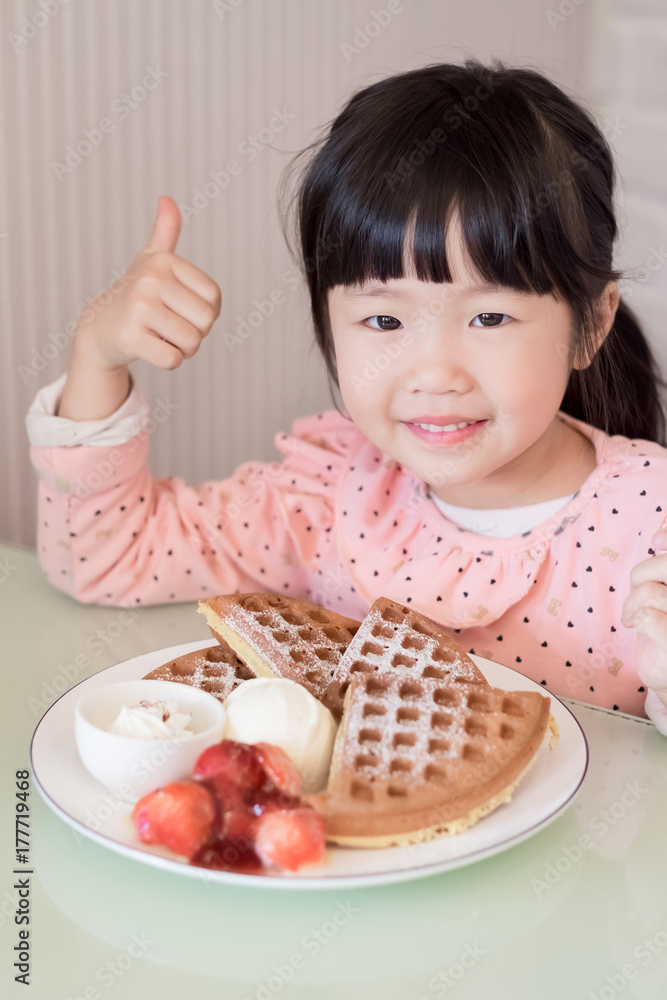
{"points": [[385, 877]]}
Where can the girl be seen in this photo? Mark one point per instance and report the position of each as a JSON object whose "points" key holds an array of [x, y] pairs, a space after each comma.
{"points": [[499, 461]]}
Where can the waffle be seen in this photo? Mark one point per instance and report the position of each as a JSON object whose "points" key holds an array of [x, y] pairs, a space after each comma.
{"points": [[417, 758], [216, 669], [281, 636], [397, 637]]}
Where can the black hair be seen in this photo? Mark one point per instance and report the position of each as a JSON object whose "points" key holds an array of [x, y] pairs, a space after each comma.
{"points": [[531, 178]]}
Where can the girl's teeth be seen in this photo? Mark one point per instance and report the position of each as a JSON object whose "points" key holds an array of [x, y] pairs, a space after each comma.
{"points": [[449, 427]]}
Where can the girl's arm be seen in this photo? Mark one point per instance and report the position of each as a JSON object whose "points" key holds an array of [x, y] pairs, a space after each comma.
{"points": [[108, 533], [92, 391]]}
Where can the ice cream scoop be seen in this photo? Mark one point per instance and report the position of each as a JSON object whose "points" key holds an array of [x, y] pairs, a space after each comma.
{"points": [[280, 711]]}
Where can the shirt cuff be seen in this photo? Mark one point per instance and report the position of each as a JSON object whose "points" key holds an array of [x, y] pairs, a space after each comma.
{"points": [[45, 430], [656, 711]]}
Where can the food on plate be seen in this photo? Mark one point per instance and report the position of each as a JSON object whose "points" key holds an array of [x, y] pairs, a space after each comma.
{"points": [[152, 721], [280, 768], [417, 758], [241, 812], [179, 815], [290, 838], [365, 734], [278, 636], [279, 711], [135, 736], [217, 670], [394, 636]]}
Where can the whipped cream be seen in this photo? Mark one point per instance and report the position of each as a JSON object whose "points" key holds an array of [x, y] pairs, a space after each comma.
{"points": [[152, 720]]}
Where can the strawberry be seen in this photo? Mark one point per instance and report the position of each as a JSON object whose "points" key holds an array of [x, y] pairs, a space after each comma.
{"points": [[280, 767], [290, 838], [142, 821], [231, 768], [180, 816]]}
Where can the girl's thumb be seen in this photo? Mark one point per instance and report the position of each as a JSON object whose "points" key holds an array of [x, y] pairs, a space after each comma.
{"points": [[166, 227]]}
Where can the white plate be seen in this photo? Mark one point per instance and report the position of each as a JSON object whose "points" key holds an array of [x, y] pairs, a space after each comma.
{"points": [[73, 794]]}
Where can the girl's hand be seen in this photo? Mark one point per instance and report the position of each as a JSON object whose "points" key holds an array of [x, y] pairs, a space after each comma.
{"points": [[163, 311], [645, 610]]}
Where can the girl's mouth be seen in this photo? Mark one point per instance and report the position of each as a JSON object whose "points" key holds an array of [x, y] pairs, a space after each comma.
{"points": [[446, 437]]}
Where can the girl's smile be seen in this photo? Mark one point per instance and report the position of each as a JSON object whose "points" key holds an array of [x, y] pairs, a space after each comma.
{"points": [[457, 429]]}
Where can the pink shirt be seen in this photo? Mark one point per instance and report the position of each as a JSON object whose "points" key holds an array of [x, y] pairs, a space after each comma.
{"points": [[340, 522]]}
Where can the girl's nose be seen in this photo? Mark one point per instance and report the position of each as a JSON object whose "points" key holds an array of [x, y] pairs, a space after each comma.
{"points": [[436, 367]]}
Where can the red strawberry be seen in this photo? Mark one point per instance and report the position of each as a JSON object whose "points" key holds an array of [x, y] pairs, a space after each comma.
{"points": [[180, 816], [280, 767], [232, 768], [239, 822], [142, 821], [290, 838]]}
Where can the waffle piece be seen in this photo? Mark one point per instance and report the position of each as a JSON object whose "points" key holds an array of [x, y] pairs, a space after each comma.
{"points": [[280, 636], [417, 758], [216, 669], [401, 638]]}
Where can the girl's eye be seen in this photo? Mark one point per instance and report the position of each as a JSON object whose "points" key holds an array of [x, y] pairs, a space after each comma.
{"points": [[384, 326], [494, 317]]}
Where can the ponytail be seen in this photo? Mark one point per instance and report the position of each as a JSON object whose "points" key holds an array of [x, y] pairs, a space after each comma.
{"points": [[620, 390]]}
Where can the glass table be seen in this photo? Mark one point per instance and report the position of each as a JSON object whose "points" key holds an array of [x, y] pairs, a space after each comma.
{"points": [[578, 910]]}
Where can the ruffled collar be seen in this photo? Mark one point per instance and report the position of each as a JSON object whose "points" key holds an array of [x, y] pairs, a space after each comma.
{"points": [[396, 542]]}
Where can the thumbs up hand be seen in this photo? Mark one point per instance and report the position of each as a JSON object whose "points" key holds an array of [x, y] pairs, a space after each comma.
{"points": [[162, 313]]}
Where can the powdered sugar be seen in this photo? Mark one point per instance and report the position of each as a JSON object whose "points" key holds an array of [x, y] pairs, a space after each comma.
{"points": [[410, 742], [393, 636], [216, 670], [298, 639]]}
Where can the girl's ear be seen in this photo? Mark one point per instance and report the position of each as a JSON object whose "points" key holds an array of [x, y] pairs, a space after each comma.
{"points": [[606, 310]]}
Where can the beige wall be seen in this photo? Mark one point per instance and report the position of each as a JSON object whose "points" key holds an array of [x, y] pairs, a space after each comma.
{"points": [[228, 66], [629, 79]]}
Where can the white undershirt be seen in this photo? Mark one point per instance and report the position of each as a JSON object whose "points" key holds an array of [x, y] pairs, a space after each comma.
{"points": [[502, 522]]}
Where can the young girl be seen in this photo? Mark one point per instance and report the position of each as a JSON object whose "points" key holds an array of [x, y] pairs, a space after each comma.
{"points": [[499, 464]]}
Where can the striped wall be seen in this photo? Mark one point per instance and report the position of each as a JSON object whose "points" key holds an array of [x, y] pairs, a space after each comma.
{"points": [[185, 84]]}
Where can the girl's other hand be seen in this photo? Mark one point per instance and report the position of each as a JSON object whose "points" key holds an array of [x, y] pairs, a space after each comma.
{"points": [[645, 610], [163, 311]]}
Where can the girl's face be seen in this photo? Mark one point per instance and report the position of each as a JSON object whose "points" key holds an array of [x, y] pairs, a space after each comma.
{"points": [[412, 352]]}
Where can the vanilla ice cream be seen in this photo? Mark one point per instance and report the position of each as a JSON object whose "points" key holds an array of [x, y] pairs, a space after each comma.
{"points": [[152, 720], [279, 711]]}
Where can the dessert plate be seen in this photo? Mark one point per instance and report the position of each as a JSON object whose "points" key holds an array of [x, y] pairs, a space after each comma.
{"points": [[73, 794]]}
